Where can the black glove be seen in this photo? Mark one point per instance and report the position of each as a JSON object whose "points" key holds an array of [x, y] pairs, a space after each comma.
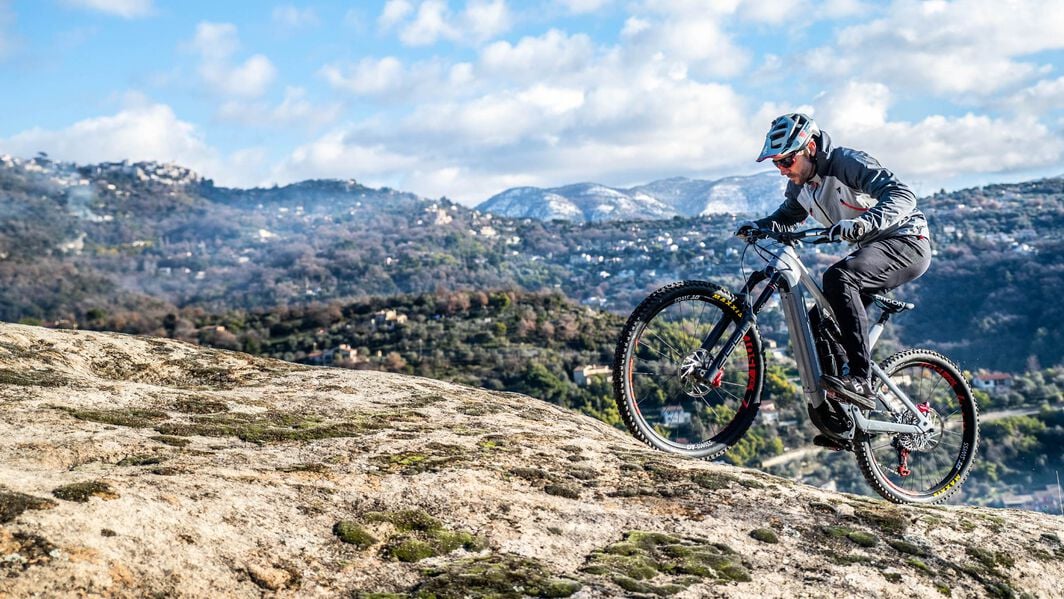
{"points": [[745, 228]]}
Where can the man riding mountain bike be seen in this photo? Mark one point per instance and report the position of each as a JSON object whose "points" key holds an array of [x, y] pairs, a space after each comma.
{"points": [[864, 204]]}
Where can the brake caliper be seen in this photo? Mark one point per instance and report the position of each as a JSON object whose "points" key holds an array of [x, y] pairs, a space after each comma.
{"points": [[717, 379]]}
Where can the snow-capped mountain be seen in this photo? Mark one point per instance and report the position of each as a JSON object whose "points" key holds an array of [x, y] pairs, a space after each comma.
{"points": [[578, 202], [753, 194]]}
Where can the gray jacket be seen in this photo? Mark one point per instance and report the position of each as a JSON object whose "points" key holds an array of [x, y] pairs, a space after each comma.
{"points": [[850, 184]]}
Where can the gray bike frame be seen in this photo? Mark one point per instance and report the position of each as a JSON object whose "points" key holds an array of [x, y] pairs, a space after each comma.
{"points": [[803, 345]]}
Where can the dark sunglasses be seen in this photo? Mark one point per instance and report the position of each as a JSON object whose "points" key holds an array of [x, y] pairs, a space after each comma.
{"points": [[787, 160]]}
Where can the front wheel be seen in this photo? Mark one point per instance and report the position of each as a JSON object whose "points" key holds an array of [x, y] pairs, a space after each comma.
{"points": [[664, 395], [922, 468]]}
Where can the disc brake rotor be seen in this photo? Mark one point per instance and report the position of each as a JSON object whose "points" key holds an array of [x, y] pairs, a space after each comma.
{"points": [[920, 441], [692, 374]]}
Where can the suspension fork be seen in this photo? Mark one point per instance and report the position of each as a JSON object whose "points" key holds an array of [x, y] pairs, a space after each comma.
{"points": [[748, 316]]}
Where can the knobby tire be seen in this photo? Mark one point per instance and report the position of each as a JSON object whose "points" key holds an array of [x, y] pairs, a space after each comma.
{"points": [[936, 472], [681, 415]]}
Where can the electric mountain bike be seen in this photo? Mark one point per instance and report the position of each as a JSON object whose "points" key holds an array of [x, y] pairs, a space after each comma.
{"points": [[690, 366]]}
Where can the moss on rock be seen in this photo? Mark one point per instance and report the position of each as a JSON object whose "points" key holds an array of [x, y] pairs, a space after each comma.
{"points": [[906, 547], [82, 492], [32, 378], [562, 490], [422, 536], [12, 504], [765, 535], [171, 440], [130, 417], [864, 539], [502, 576], [140, 460], [665, 562], [268, 427], [353, 534]]}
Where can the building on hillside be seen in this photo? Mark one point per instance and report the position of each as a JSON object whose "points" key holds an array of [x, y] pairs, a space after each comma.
{"points": [[584, 374], [1046, 499], [674, 416], [768, 412], [992, 382], [386, 316], [344, 353]]}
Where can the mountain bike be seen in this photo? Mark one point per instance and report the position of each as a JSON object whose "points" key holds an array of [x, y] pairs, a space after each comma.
{"points": [[689, 370]]}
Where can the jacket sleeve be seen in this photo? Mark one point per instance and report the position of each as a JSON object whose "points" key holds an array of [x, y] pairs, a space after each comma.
{"points": [[790, 212], [894, 200]]}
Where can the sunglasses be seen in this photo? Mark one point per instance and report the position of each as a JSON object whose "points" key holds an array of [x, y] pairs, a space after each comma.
{"points": [[787, 161]]}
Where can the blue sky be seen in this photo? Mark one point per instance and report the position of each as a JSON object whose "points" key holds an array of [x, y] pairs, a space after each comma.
{"points": [[466, 98]]}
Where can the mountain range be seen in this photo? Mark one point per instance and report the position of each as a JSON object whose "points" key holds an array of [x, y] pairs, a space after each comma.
{"points": [[665, 198], [124, 245]]}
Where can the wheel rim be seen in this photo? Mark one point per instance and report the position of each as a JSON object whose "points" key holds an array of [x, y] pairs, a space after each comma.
{"points": [[674, 400], [936, 461]]}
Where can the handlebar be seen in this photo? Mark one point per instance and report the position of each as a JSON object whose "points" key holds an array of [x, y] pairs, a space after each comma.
{"points": [[818, 235]]}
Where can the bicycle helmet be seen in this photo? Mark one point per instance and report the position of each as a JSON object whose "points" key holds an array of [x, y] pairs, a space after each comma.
{"points": [[788, 133]]}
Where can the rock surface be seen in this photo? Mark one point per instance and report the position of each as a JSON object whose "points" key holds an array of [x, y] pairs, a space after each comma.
{"points": [[134, 467]]}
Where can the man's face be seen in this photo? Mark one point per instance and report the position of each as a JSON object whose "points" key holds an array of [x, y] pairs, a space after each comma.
{"points": [[800, 170]]}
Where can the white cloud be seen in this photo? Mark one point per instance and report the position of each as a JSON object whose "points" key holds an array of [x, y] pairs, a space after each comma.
{"points": [[142, 131], [394, 12], [583, 6], [430, 25], [1043, 97], [798, 14], [369, 76], [691, 36], [389, 79], [292, 17], [216, 43], [485, 19], [295, 110], [936, 151], [338, 155], [605, 123], [433, 21], [856, 106], [939, 148], [128, 9], [534, 58], [972, 48]]}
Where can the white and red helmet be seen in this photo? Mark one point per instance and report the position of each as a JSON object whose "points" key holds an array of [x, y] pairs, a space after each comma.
{"points": [[788, 133]]}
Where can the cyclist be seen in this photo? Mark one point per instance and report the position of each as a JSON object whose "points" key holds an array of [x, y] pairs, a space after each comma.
{"points": [[864, 204]]}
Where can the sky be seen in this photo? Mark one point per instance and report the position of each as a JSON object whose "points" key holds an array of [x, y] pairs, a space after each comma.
{"points": [[467, 98]]}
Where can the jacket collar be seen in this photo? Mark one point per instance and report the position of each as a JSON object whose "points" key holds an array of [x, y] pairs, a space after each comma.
{"points": [[824, 149]]}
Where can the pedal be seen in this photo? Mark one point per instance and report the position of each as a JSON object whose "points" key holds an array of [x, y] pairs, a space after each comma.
{"points": [[832, 444]]}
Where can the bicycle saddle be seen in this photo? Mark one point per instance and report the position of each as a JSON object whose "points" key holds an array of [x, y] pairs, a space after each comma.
{"points": [[890, 305]]}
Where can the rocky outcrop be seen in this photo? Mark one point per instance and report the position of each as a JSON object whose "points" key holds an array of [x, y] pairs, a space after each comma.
{"points": [[138, 467]]}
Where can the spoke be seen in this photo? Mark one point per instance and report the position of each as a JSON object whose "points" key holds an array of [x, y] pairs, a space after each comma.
{"points": [[677, 352], [730, 395], [938, 382]]}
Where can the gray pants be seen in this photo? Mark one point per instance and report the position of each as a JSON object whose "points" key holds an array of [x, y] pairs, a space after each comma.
{"points": [[875, 268]]}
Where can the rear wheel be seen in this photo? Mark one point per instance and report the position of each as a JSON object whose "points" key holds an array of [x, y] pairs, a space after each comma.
{"points": [[922, 468], [664, 395]]}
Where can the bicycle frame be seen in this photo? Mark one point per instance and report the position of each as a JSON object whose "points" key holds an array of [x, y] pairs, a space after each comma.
{"points": [[787, 274]]}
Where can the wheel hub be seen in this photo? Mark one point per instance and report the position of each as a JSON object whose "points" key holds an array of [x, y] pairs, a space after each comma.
{"points": [[693, 374]]}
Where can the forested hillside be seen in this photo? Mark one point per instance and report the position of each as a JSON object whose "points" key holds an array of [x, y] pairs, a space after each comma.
{"points": [[123, 245]]}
